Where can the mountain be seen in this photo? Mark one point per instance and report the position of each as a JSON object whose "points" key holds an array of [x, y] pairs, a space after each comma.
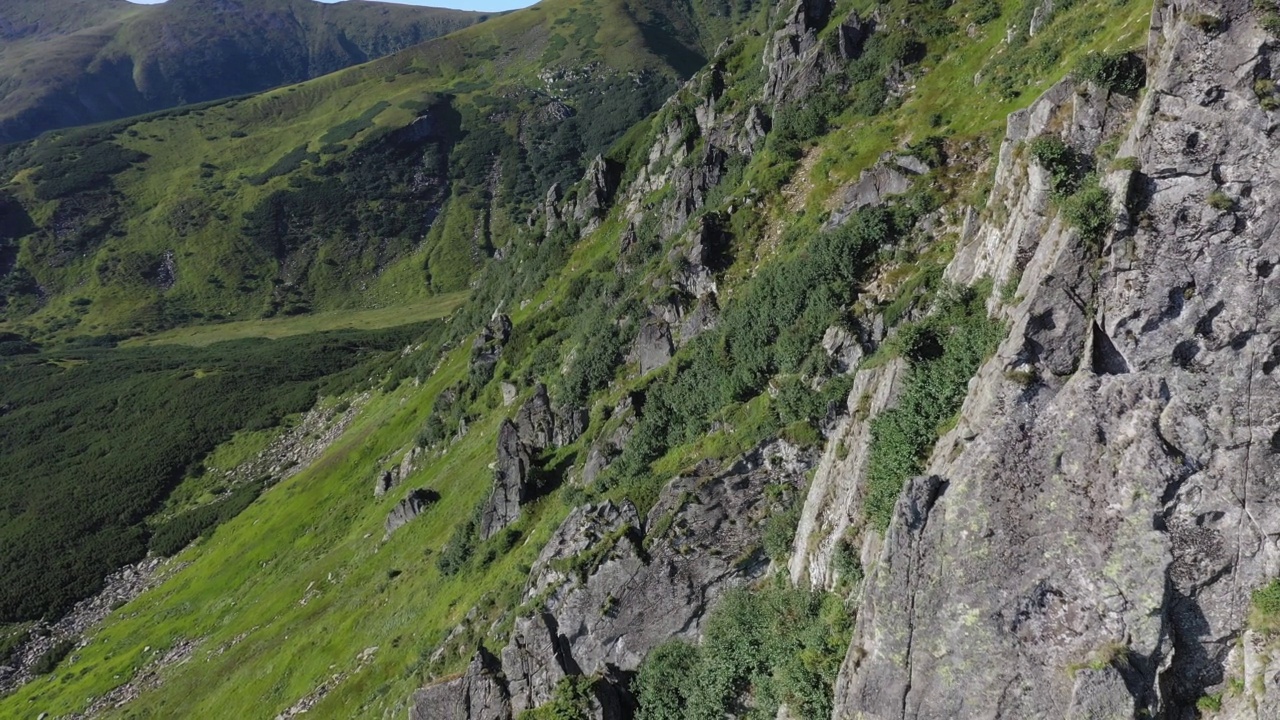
{"points": [[626, 359], [77, 62]]}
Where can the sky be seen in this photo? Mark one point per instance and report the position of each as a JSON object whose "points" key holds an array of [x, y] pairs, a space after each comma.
{"points": [[482, 5]]}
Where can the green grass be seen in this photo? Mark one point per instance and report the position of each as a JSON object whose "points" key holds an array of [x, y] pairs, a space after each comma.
{"points": [[201, 335], [324, 527]]}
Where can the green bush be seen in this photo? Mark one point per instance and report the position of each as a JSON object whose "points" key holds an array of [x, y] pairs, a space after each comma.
{"points": [[573, 700], [1088, 210], [1219, 200], [1123, 73], [944, 351], [1060, 160], [1265, 614], [778, 645]]}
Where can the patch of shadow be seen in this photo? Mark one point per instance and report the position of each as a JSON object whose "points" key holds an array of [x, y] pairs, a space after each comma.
{"points": [[1185, 352], [1204, 326], [1107, 360]]}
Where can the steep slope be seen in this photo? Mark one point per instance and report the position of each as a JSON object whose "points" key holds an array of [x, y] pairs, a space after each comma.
{"points": [[70, 62], [827, 390], [370, 187], [1090, 535]]}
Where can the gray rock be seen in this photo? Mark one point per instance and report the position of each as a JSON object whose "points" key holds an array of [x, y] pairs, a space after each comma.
{"points": [[551, 209], [488, 344], [853, 32], [511, 482], [653, 348], [535, 421], [386, 481], [480, 694], [413, 505], [792, 67], [842, 347], [599, 185], [1100, 695], [509, 393], [1123, 504], [570, 423], [703, 536], [703, 317]]}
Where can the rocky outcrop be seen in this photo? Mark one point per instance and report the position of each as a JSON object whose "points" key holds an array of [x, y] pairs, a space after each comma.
{"points": [[387, 480], [842, 347], [512, 482], [653, 348], [610, 587], [413, 505], [1113, 512], [479, 694], [892, 175], [541, 425], [487, 347], [703, 317], [598, 187], [535, 422], [790, 68], [613, 590]]}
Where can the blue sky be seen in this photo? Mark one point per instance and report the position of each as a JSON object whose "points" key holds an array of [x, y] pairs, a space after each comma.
{"points": [[482, 5]]}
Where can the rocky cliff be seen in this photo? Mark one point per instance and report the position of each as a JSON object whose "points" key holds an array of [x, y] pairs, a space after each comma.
{"points": [[1086, 540]]}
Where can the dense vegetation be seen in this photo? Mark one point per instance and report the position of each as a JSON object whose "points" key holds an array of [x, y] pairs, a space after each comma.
{"points": [[943, 351], [777, 645], [92, 440]]}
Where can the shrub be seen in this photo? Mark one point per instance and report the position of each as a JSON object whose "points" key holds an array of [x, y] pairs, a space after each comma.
{"points": [[1123, 73], [944, 351], [780, 645], [1265, 613], [1060, 160], [573, 700], [1209, 703], [780, 533], [1207, 22], [1088, 210], [1219, 200]]}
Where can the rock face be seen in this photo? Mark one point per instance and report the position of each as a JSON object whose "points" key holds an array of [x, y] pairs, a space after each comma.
{"points": [[535, 422], [653, 345], [409, 508], [791, 72], [512, 482], [479, 694], [1117, 511], [613, 587], [487, 347], [598, 187]]}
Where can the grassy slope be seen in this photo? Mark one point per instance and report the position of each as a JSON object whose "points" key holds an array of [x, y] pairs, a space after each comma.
{"points": [[251, 576], [214, 150], [200, 335], [72, 62]]}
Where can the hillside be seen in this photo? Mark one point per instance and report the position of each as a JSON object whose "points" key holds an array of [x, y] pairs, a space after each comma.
{"points": [[802, 360], [77, 62]]}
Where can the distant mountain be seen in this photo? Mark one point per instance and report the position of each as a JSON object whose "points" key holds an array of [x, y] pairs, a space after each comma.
{"points": [[74, 62]]}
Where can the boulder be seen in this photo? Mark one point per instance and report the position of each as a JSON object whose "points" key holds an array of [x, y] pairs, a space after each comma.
{"points": [[842, 347], [653, 347], [511, 482], [480, 694], [387, 480], [535, 421], [409, 508]]}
